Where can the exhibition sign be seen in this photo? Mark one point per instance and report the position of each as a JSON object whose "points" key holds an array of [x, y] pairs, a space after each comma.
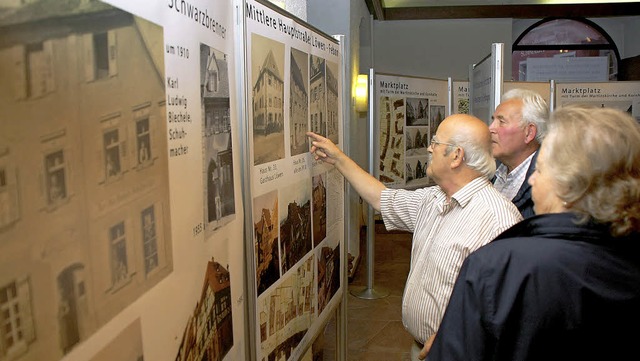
{"points": [[408, 112], [294, 84], [622, 95], [122, 208]]}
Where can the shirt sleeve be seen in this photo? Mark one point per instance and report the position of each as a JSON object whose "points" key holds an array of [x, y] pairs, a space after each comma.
{"points": [[400, 207]]}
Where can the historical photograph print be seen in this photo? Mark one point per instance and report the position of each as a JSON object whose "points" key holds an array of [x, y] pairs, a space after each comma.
{"points": [[335, 197], [392, 120], [333, 113], [84, 222], [267, 79], [208, 334], [417, 170], [286, 312], [417, 141], [265, 238], [437, 115], [328, 272], [417, 111], [318, 95], [319, 198], [219, 207], [295, 224], [299, 102]]}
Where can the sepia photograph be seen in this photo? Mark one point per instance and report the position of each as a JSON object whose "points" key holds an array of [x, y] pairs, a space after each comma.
{"points": [[319, 199], [213, 309], [265, 238], [286, 311], [392, 148], [295, 224], [267, 78], [88, 158], [299, 102]]}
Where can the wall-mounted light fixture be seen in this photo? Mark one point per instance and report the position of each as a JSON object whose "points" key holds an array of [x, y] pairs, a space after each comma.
{"points": [[362, 92]]}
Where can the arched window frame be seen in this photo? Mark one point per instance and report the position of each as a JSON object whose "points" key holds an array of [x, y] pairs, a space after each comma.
{"points": [[609, 45]]}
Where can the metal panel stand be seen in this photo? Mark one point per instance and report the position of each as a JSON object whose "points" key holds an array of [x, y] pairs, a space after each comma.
{"points": [[368, 292]]}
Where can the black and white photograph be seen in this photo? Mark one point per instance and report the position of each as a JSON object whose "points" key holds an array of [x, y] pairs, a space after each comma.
{"points": [[437, 115], [417, 141], [333, 123], [217, 139], [416, 171], [318, 95], [417, 111]]}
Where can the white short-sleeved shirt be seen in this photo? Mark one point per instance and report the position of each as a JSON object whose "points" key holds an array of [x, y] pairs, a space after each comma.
{"points": [[444, 234]]}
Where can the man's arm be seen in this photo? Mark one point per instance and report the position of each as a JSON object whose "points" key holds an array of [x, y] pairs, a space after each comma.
{"points": [[364, 183]]}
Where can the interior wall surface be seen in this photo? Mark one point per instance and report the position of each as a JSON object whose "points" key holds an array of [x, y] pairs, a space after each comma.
{"points": [[344, 17], [437, 48]]}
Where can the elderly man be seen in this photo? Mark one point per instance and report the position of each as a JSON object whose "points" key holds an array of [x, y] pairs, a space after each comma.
{"points": [[461, 213], [517, 130]]}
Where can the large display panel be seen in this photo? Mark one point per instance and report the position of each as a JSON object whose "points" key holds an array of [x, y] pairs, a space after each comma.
{"points": [[293, 81], [485, 83], [121, 217], [408, 112], [622, 95]]}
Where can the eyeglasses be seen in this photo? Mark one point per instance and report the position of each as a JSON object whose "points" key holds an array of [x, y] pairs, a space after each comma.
{"points": [[434, 141]]}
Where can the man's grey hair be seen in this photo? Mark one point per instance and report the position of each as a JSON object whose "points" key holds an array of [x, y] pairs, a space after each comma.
{"points": [[477, 156], [534, 109]]}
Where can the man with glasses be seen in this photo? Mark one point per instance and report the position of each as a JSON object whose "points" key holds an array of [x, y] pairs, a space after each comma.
{"points": [[461, 213], [517, 130]]}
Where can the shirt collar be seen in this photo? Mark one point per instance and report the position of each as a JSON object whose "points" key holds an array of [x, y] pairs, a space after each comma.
{"points": [[463, 196]]}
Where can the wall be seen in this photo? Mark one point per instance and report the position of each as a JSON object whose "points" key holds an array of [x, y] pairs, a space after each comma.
{"points": [[437, 48]]}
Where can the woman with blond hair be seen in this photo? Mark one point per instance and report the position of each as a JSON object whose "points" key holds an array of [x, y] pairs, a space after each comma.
{"points": [[564, 284]]}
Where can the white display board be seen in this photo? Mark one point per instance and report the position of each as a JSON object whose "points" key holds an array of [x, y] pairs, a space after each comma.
{"points": [[294, 84], [460, 96], [485, 84], [408, 112], [122, 217], [622, 95]]}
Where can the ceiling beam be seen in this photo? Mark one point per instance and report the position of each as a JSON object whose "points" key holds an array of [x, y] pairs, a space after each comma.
{"points": [[375, 8], [511, 11]]}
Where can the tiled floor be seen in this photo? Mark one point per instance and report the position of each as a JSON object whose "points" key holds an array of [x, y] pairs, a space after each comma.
{"points": [[374, 327]]}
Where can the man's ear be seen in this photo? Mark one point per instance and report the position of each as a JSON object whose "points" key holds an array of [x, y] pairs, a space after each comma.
{"points": [[530, 133], [458, 157]]}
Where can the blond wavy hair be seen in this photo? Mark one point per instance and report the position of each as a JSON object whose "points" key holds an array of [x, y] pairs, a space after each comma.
{"points": [[593, 155]]}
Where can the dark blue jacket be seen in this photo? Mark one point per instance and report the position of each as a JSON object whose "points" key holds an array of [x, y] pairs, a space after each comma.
{"points": [[545, 289]]}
